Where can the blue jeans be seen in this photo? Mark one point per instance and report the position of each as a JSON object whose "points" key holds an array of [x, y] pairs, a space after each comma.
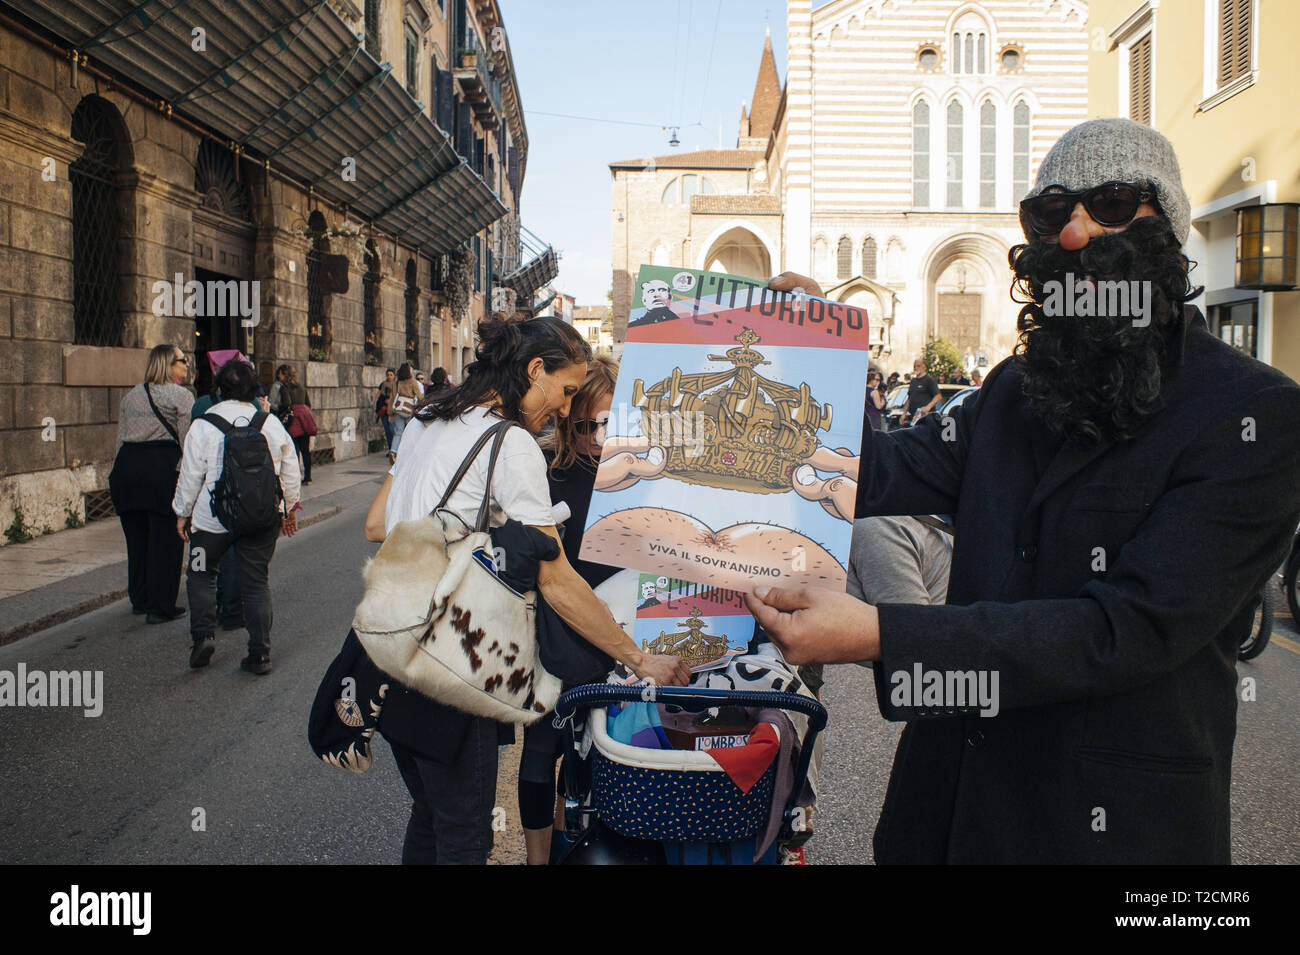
{"points": [[399, 425], [388, 431], [451, 810]]}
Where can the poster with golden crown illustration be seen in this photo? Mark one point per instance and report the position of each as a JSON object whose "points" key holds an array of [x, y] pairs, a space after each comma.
{"points": [[731, 454]]}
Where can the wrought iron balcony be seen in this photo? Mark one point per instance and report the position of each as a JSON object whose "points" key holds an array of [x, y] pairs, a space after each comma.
{"points": [[481, 89], [527, 263]]}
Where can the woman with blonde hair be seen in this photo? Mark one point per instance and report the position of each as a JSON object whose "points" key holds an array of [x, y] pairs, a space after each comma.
{"points": [[151, 426]]}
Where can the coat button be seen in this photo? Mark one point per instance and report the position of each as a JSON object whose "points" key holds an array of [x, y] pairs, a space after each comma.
{"points": [[975, 737], [1028, 552]]}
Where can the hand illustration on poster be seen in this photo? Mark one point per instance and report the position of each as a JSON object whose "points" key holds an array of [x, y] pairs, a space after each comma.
{"points": [[728, 463]]}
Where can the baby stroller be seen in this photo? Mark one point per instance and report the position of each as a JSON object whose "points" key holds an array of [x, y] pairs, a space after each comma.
{"points": [[630, 805]]}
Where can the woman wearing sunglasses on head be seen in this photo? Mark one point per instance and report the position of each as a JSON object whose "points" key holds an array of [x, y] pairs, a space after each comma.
{"points": [[151, 427]]}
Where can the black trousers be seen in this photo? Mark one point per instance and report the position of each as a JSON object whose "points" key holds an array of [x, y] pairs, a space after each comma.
{"points": [[153, 560], [303, 444], [252, 568], [451, 803]]}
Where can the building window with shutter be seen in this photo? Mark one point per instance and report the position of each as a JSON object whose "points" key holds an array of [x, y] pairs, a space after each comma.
{"points": [[988, 155], [1139, 80], [1020, 151], [412, 72], [412, 314], [921, 154], [954, 178], [1235, 28], [1230, 60]]}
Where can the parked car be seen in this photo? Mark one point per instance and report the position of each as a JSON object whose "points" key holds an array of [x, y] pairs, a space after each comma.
{"points": [[896, 403]]}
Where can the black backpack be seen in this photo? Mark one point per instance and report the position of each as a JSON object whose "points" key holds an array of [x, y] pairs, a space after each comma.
{"points": [[247, 496]]}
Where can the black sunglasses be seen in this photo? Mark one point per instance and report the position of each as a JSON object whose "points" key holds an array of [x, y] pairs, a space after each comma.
{"points": [[585, 426], [1110, 204], [183, 360]]}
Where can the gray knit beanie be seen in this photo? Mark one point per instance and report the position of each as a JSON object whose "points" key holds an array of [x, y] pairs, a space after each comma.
{"points": [[1102, 150]]}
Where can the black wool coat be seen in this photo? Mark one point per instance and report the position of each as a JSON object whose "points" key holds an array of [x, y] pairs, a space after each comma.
{"points": [[1108, 587]]}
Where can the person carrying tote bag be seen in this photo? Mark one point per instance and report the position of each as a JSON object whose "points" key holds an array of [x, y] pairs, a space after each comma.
{"points": [[406, 396], [294, 412], [525, 374]]}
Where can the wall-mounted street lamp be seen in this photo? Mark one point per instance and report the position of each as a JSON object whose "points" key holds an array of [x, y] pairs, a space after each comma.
{"points": [[1266, 246]]}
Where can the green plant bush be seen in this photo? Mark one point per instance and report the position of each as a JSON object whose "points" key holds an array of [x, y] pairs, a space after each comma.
{"points": [[19, 532], [941, 359]]}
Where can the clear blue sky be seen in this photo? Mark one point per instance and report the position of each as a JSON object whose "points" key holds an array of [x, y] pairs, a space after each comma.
{"points": [[633, 62]]}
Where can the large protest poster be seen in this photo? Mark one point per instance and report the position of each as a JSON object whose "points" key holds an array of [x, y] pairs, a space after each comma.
{"points": [[732, 447]]}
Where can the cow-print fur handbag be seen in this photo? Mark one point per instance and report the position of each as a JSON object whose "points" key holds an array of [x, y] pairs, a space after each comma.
{"points": [[435, 617]]}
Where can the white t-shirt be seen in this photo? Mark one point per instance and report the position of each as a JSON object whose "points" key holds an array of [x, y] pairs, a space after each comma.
{"points": [[430, 454]]}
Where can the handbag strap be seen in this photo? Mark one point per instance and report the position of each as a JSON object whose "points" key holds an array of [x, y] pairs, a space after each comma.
{"points": [[165, 423], [496, 432]]}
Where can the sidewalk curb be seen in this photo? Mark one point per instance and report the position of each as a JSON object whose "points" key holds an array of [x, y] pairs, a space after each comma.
{"points": [[95, 601]]}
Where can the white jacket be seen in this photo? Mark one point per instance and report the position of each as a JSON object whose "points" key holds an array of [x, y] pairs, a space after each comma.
{"points": [[202, 462]]}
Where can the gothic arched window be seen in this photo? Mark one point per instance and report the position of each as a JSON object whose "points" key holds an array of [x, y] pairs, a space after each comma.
{"points": [[955, 119], [988, 155], [921, 154], [844, 258], [869, 257]]}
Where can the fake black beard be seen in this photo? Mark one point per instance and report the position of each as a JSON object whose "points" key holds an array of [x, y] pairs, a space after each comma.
{"points": [[1094, 376]]}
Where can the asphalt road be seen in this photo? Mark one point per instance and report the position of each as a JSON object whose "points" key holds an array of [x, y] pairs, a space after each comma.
{"points": [[127, 786]]}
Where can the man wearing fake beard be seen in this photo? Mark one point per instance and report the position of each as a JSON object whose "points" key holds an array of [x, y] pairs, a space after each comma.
{"points": [[1115, 518]]}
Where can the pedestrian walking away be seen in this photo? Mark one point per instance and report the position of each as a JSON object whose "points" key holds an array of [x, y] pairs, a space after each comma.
{"points": [[407, 395], [221, 501], [295, 411], [152, 423]]}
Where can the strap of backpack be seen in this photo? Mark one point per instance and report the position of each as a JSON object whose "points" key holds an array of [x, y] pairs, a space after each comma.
{"points": [[218, 422], [469, 460], [165, 423], [931, 521]]}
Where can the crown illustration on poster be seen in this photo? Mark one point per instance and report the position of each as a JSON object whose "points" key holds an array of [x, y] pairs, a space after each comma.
{"points": [[734, 429], [692, 644]]}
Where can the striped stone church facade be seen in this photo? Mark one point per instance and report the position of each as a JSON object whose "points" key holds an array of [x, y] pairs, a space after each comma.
{"points": [[893, 157]]}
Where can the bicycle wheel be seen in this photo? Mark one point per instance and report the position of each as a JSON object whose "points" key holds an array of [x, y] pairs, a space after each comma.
{"points": [[1255, 643]]}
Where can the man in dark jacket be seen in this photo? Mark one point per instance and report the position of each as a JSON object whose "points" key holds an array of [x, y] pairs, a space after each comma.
{"points": [[1114, 522]]}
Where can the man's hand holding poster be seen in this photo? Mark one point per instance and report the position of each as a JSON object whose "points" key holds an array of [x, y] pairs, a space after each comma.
{"points": [[732, 455]]}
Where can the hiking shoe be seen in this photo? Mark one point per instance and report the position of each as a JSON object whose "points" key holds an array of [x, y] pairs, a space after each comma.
{"points": [[166, 616], [201, 652], [259, 663]]}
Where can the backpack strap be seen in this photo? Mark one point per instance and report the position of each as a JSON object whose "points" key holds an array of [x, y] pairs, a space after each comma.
{"points": [[259, 419], [218, 422]]}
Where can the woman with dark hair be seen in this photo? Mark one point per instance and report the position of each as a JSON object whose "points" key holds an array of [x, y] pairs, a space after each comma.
{"points": [[295, 408], [151, 426], [407, 396], [572, 453], [528, 373], [437, 381]]}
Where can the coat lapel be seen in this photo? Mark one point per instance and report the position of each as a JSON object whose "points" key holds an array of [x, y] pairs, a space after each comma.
{"points": [[1072, 458]]}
